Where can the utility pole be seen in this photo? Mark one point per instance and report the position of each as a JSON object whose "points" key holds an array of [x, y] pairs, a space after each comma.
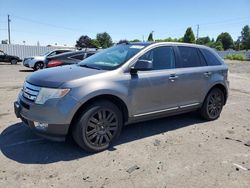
{"points": [[197, 34], [9, 28]]}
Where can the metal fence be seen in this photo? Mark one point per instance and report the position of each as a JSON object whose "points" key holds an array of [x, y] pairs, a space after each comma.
{"points": [[23, 51]]}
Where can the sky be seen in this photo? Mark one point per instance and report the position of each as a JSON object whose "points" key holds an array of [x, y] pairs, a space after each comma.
{"points": [[64, 21]]}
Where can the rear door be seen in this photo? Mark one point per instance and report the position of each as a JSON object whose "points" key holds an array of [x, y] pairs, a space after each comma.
{"points": [[193, 77]]}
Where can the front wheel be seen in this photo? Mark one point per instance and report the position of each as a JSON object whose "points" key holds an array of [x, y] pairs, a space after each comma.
{"points": [[213, 105], [98, 126], [38, 66]]}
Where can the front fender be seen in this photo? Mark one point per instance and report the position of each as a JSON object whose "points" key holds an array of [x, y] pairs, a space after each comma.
{"points": [[84, 94]]}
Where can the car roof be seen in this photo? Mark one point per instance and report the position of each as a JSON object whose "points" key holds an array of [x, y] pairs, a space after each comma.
{"points": [[63, 50], [168, 43], [72, 53]]}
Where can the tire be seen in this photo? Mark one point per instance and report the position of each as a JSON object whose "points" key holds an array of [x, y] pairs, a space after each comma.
{"points": [[38, 66], [13, 62], [98, 126], [213, 105]]}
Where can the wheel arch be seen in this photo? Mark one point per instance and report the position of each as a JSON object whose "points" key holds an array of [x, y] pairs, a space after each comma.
{"points": [[38, 62], [222, 87], [108, 97]]}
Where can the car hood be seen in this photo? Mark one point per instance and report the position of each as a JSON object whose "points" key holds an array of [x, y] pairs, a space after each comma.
{"points": [[36, 57], [55, 77]]}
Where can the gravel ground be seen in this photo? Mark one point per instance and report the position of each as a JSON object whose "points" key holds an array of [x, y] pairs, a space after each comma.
{"points": [[179, 151]]}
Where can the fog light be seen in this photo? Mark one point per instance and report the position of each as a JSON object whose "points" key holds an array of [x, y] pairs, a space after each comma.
{"points": [[41, 126]]}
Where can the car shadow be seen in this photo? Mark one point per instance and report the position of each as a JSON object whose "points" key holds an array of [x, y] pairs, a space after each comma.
{"points": [[27, 70], [19, 143], [8, 63]]}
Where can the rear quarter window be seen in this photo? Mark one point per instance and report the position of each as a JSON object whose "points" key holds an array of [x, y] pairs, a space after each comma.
{"points": [[89, 54], [210, 58], [78, 57]]}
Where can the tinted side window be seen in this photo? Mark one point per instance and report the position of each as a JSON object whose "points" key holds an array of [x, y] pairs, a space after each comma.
{"points": [[52, 54], [79, 57], [190, 57], [59, 52], [162, 57], [210, 58], [89, 54]]}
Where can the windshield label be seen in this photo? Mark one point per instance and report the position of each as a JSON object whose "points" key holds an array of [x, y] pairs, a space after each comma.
{"points": [[137, 46]]}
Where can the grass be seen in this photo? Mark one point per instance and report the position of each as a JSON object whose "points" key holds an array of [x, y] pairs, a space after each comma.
{"points": [[239, 57]]}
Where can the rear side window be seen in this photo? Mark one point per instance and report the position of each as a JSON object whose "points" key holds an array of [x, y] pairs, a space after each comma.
{"points": [[60, 52], [190, 57], [210, 58], [161, 57], [78, 57], [89, 54]]}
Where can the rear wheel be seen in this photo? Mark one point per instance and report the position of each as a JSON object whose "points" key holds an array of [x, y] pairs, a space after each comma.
{"points": [[38, 66], [213, 104], [13, 62], [98, 126]]}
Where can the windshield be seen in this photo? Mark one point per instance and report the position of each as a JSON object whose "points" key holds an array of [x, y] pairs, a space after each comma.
{"points": [[111, 58]]}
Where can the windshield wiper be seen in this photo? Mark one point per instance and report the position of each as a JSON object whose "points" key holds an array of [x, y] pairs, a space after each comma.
{"points": [[88, 66]]}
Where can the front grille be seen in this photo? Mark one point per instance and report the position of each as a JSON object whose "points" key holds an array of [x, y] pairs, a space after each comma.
{"points": [[30, 91]]}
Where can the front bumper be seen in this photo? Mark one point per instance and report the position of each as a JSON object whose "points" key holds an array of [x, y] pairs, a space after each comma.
{"points": [[29, 63], [53, 132], [26, 63], [56, 116]]}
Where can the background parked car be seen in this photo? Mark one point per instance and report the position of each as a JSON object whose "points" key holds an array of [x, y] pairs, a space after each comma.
{"points": [[9, 58], [38, 62], [68, 58]]}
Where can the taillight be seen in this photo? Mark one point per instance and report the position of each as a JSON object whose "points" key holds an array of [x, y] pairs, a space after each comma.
{"points": [[54, 63]]}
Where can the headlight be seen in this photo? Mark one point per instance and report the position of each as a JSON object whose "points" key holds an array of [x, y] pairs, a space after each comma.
{"points": [[50, 93]]}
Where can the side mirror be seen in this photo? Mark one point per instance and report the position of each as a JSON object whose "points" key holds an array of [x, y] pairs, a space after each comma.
{"points": [[141, 65]]}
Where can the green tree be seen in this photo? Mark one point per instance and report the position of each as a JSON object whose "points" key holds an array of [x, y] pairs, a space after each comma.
{"points": [[167, 40], [226, 40], [203, 40], [104, 39], [123, 41], [135, 40], [218, 46], [238, 44], [189, 36], [84, 42], [95, 43], [4, 41], [245, 37], [150, 37]]}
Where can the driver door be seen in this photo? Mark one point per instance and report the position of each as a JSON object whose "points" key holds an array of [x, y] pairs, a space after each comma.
{"points": [[155, 90]]}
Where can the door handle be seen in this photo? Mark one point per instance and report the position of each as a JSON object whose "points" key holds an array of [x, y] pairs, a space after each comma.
{"points": [[207, 74], [173, 77]]}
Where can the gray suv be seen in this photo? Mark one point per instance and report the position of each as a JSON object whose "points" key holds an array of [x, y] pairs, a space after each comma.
{"points": [[127, 83]]}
